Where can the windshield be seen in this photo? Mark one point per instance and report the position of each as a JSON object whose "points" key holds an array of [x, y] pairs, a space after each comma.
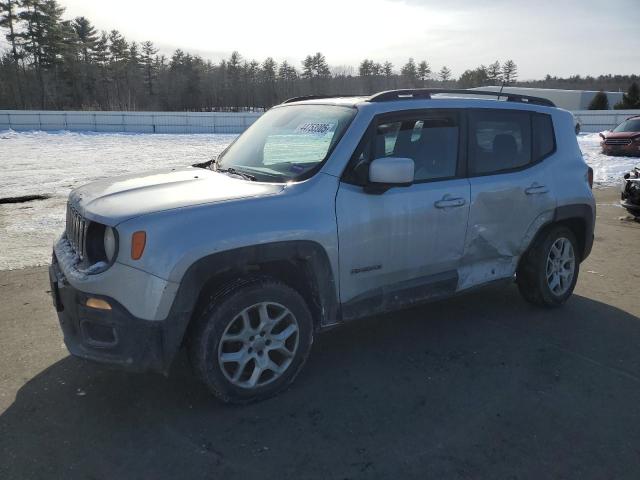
{"points": [[287, 143], [629, 126]]}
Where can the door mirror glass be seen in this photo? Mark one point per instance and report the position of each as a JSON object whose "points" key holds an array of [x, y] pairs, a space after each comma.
{"points": [[391, 171]]}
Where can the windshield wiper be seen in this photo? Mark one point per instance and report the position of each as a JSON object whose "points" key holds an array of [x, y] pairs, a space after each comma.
{"points": [[233, 171]]}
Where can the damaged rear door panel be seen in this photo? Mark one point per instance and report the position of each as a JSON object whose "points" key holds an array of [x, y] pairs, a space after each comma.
{"points": [[510, 158]]}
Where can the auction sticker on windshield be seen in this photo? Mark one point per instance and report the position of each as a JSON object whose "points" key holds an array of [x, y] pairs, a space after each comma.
{"points": [[315, 128]]}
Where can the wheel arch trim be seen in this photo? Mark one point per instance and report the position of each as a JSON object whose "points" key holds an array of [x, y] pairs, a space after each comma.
{"points": [[309, 257]]}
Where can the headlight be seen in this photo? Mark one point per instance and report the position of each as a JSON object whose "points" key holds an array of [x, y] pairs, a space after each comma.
{"points": [[110, 243]]}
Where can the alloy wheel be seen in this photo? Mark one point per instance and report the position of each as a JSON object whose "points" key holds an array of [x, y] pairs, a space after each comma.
{"points": [[561, 266], [258, 345]]}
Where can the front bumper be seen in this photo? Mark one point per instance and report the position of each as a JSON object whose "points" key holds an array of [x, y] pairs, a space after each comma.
{"points": [[631, 150], [109, 336]]}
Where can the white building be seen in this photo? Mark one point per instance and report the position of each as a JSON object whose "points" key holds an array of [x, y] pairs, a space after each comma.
{"points": [[571, 100]]}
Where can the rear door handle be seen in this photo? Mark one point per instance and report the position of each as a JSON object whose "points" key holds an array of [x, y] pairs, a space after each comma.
{"points": [[536, 189], [450, 202]]}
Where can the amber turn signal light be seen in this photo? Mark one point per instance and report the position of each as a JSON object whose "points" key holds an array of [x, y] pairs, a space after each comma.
{"points": [[138, 242], [98, 304]]}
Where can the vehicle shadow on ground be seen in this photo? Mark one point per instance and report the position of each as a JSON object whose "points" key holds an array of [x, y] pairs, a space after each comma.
{"points": [[482, 385]]}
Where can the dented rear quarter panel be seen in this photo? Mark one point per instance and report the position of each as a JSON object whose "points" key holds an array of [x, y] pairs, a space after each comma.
{"points": [[570, 178]]}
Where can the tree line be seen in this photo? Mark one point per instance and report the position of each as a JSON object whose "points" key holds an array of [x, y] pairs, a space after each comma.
{"points": [[57, 63], [630, 100]]}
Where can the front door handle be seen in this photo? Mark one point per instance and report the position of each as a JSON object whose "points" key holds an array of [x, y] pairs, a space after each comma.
{"points": [[536, 189], [447, 202]]}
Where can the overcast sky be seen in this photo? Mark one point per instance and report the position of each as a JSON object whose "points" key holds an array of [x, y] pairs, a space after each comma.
{"points": [[560, 37]]}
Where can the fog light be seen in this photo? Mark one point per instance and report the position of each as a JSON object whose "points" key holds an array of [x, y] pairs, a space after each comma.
{"points": [[98, 304]]}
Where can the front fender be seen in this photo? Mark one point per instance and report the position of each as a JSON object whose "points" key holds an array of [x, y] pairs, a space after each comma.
{"points": [[230, 266]]}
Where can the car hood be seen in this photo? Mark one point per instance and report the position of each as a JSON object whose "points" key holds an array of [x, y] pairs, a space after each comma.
{"points": [[115, 200], [621, 134]]}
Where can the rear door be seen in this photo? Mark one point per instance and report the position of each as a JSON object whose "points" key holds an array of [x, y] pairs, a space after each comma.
{"points": [[404, 245], [509, 155]]}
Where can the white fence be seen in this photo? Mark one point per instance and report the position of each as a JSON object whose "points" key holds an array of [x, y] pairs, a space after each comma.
{"points": [[204, 122], [138, 122], [599, 120]]}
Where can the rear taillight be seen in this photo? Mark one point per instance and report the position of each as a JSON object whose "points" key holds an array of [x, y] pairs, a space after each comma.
{"points": [[590, 177]]}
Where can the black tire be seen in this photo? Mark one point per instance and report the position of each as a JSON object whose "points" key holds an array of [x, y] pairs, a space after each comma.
{"points": [[531, 274], [222, 309]]}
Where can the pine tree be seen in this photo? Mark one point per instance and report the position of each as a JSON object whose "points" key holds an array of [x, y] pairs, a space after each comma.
{"points": [[149, 66], [599, 102], [315, 66], [268, 77], [287, 72], [509, 72], [365, 68], [631, 99], [424, 70], [87, 37], [9, 20], [444, 74], [474, 78], [44, 37], [307, 67], [410, 72], [101, 49], [494, 73], [118, 47]]}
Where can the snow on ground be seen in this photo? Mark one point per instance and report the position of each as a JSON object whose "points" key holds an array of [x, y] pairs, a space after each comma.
{"points": [[54, 163], [607, 170]]}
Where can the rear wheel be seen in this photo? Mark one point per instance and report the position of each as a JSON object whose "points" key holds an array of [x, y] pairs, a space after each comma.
{"points": [[548, 272], [250, 343]]}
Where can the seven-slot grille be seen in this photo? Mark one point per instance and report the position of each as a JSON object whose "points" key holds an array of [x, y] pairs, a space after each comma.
{"points": [[617, 141], [76, 231]]}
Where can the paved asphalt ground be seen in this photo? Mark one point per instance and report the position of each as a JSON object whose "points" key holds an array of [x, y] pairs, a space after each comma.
{"points": [[480, 386]]}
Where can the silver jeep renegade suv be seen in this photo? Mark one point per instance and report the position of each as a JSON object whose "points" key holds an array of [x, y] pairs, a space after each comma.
{"points": [[323, 211]]}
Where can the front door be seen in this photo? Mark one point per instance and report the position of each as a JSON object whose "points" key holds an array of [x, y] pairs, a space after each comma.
{"points": [[404, 245]]}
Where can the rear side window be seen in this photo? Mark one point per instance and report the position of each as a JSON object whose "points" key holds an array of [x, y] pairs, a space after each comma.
{"points": [[499, 140], [544, 142]]}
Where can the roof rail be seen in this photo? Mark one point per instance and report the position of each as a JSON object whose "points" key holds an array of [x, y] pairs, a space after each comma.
{"points": [[318, 97], [426, 93]]}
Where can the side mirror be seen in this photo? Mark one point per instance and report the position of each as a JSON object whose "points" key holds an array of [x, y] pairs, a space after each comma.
{"points": [[391, 171]]}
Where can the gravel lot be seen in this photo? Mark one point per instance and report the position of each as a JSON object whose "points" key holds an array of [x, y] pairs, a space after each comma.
{"points": [[480, 386]]}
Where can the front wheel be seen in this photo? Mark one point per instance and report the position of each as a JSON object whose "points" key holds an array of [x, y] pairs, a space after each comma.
{"points": [[251, 342], [548, 271]]}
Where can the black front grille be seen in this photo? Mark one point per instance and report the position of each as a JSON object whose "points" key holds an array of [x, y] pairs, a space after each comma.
{"points": [[77, 228], [617, 141]]}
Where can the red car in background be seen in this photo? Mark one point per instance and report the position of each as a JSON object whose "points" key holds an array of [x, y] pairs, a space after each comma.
{"points": [[624, 139]]}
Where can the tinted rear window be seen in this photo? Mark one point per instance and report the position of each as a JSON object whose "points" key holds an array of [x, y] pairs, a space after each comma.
{"points": [[544, 142], [499, 140]]}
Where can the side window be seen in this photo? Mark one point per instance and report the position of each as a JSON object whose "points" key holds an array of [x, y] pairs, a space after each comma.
{"points": [[499, 140], [544, 141], [429, 139]]}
